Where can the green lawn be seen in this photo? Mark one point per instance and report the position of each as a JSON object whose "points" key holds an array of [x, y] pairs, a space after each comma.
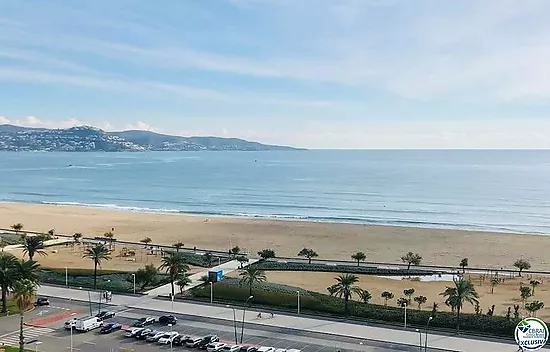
{"points": [[12, 349], [12, 307]]}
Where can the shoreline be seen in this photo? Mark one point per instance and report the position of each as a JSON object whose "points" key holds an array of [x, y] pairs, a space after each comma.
{"points": [[330, 240], [280, 217]]}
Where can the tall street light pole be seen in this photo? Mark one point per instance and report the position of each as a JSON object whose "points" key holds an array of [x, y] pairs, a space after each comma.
{"points": [[244, 312], [134, 277], [405, 322], [234, 322], [426, 337], [298, 292], [420, 339], [66, 277], [72, 327], [211, 292]]}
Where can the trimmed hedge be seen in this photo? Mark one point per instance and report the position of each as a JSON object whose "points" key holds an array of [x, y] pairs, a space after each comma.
{"points": [[119, 281], [270, 295], [350, 269]]}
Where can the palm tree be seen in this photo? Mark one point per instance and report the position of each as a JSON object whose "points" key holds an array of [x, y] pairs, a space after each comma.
{"points": [[463, 291], [308, 253], [183, 281], [17, 227], [345, 287], [420, 300], [146, 241], [174, 264], [494, 281], [251, 276], [97, 254], [8, 275], [146, 276], [534, 283], [533, 307], [522, 264], [110, 237], [28, 270], [365, 296], [77, 236], [235, 251], [464, 264], [33, 245], [178, 246], [23, 291], [386, 295], [359, 257], [411, 258], [208, 258], [266, 253]]}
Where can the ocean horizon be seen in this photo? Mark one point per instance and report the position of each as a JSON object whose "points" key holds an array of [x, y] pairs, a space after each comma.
{"points": [[486, 190]]}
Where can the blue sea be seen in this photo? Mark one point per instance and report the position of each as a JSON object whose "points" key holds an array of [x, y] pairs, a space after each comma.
{"points": [[478, 190]]}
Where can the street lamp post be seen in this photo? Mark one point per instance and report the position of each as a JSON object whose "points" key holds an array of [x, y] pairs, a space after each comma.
{"points": [[211, 292], [426, 337], [171, 345], [172, 304], [134, 277], [234, 322], [420, 339], [298, 292], [36, 345], [405, 321], [72, 327], [244, 312], [66, 277]]}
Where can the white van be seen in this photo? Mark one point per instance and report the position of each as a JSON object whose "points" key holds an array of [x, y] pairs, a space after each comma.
{"points": [[88, 323]]}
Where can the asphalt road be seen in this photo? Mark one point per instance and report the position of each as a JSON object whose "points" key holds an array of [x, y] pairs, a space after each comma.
{"points": [[52, 337]]}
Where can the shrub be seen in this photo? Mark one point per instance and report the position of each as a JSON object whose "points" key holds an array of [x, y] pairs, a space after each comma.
{"points": [[284, 297], [349, 269]]}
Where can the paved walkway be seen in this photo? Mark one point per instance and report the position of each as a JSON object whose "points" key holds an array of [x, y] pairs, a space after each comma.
{"points": [[227, 268], [410, 337], [48, 243]]}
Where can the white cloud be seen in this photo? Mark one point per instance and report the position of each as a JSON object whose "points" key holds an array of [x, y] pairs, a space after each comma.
{"points": [[4, 120], [32, 121]]}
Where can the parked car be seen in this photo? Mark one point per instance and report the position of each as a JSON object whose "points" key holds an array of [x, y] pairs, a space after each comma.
{"points": [[215, 346], [248, 349], [293, 350], [280, 350], [141, 335], [109, 328], [180, 340], [154, 336], [168, 319], [141, 322], [265, 349], [131, 332], [70, 324], [105, 314], [193, 342], [168, 338], [231, 348], [208, 339], [87, 323], [41, 301]]}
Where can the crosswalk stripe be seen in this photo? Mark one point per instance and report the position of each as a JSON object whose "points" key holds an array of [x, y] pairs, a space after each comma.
{"points": [[12, 338]]}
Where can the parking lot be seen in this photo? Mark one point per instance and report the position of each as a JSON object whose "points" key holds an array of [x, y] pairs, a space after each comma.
{"points": [[52, 337]]}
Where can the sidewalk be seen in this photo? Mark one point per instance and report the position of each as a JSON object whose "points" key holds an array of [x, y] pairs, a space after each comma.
{"points": [[227, 268], [48, 243], [289, 321]]}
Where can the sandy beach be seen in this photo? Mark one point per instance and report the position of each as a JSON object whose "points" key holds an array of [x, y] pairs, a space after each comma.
{"points": [[330, 240]]}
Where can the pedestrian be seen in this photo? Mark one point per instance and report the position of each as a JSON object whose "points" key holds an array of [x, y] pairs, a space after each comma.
{"points": [[259, 315], [271, 313]]}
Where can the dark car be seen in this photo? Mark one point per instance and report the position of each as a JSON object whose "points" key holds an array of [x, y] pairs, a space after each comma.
{"points": [[207, 340], [168, 319], [143, 334], [105, 315], [248, 349], [180, 340], [109, 328], [141, 322], [41, 301]]}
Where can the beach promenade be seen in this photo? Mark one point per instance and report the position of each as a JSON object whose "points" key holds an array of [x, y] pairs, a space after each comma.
{"points": [[351, 329]]}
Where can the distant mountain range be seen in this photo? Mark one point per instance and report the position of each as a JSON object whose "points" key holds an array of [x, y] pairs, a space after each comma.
{"points": [[87, 139]]}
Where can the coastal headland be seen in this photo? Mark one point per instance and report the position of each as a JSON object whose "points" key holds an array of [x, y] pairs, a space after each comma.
{"points": [[329, 240]]}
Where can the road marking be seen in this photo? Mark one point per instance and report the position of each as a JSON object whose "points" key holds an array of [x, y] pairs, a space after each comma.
{"points": [[29, 333]]}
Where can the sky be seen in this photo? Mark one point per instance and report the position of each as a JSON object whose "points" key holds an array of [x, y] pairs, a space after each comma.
{"points": [[347, 74]]}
